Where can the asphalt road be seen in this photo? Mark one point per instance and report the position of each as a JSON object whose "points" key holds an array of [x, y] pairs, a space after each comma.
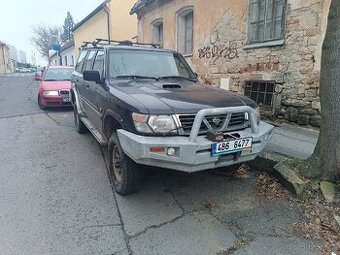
{"points": [[55, 197]]}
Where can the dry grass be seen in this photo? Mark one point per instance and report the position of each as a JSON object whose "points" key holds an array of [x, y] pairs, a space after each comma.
{"points": [[321, 224], [209, 204], [242, 172], [320, 221], [269, 187]]}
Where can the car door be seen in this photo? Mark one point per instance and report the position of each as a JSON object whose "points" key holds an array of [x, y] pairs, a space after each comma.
{"points": [[87, 87], [77, 77], [95, 88]]}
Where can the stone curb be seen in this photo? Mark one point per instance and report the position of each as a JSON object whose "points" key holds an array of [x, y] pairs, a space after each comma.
{"points": [[273, 164], [328, 191]]}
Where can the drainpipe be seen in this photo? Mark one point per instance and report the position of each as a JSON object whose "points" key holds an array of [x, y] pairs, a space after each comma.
{"points": [[106, 10]]}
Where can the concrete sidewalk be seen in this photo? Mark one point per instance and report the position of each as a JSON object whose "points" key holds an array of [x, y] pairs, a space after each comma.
{"points": [[293, 141]]}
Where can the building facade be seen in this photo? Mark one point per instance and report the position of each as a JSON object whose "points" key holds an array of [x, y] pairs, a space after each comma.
{"points": [[68, 53], [6, 65], [110, 20], [269, 50], [66, 56]]}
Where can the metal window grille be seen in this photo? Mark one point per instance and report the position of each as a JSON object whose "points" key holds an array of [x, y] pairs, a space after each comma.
{"points": [[261, 92], [266, 20]]}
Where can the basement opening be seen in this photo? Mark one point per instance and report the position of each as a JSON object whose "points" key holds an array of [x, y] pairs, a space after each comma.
{"points": [[262, 92]]}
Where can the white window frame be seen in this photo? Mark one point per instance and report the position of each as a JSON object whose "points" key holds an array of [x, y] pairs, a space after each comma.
{"points": [[157, 33], [269, 33], [182, 31]]}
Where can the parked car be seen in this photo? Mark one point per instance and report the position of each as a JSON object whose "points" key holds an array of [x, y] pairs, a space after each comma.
{"points": [[38, 74], [22, 70], [55, 84], [146, 105]]}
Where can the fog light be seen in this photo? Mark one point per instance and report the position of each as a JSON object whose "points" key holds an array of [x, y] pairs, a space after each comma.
{"points": [[171, 151]]}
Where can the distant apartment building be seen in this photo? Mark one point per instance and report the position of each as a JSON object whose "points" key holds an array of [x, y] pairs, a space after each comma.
{"points": [[110, 20], [13, 52], [22, 57], [268, 50]]}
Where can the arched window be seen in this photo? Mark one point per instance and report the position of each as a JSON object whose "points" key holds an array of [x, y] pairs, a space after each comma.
{"points": [[157, 32], [185, 26]]}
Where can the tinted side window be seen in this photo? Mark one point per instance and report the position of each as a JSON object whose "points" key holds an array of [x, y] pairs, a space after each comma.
{"points": [[99, 63], [80, 63], [89, 60]]}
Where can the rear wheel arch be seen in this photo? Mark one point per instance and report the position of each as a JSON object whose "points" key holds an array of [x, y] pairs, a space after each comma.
{"points": [[73, 97]]}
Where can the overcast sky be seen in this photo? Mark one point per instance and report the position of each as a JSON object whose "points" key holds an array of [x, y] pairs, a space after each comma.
{"points": [[18, 16]]}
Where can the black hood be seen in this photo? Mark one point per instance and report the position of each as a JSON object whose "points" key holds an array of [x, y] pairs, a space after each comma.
{"points": [[162, 97]]}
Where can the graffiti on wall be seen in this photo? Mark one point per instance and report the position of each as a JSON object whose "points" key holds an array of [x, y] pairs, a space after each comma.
{"points": [[217, 50], [227, 51]]}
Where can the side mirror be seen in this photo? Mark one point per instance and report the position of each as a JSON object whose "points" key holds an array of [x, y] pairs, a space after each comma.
{"points": [[38, 78], [91, 76]]}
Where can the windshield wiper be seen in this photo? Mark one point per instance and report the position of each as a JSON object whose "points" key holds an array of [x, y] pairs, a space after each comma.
{"points": [[51, 80], [176, 77], [136, 77]]}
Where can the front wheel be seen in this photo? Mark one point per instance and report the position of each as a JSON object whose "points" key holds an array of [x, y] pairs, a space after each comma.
{"points": [[80, 126], [41, 106], [125, 175]]}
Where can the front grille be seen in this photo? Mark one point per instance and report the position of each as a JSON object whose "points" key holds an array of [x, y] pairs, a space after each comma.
{"points": [[237, 121], [64, 92]]}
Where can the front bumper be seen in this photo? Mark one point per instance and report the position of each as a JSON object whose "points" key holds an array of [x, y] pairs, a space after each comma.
{"points": [[192, 154], [55, 101]]}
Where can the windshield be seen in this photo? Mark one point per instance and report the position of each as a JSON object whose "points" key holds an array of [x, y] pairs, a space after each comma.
{"points": [[58, 74], [152, 64]]}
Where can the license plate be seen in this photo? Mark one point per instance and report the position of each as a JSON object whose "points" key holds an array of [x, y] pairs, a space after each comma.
{"points": [[66, 99], [231, 146]]}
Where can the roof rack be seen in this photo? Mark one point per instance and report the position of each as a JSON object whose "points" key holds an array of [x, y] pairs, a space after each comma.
{"points": [[85, 44], [98, 41]]}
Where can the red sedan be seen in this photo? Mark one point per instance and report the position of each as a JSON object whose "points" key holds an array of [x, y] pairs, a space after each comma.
{"points": [[55, 85]]}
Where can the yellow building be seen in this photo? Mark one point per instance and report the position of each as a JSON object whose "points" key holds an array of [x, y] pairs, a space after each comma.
{"points": [[110, 20]]}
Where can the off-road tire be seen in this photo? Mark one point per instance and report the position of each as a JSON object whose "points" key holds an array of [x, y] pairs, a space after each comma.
{"points": [[131, 176], [80, 126]]}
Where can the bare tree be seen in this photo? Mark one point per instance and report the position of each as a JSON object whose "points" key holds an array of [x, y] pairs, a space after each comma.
{"points": [[44, 37], [325, 162]]}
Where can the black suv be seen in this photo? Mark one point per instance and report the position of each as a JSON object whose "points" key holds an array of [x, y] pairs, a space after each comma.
{"points": [[146, 106]]}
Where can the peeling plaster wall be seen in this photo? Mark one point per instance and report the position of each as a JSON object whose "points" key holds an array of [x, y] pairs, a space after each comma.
{"points": [[220, 37]]}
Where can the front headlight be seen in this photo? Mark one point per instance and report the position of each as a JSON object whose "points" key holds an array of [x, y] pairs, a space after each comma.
{"points": [[162, 123], [154, 123], [50, 93]]}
